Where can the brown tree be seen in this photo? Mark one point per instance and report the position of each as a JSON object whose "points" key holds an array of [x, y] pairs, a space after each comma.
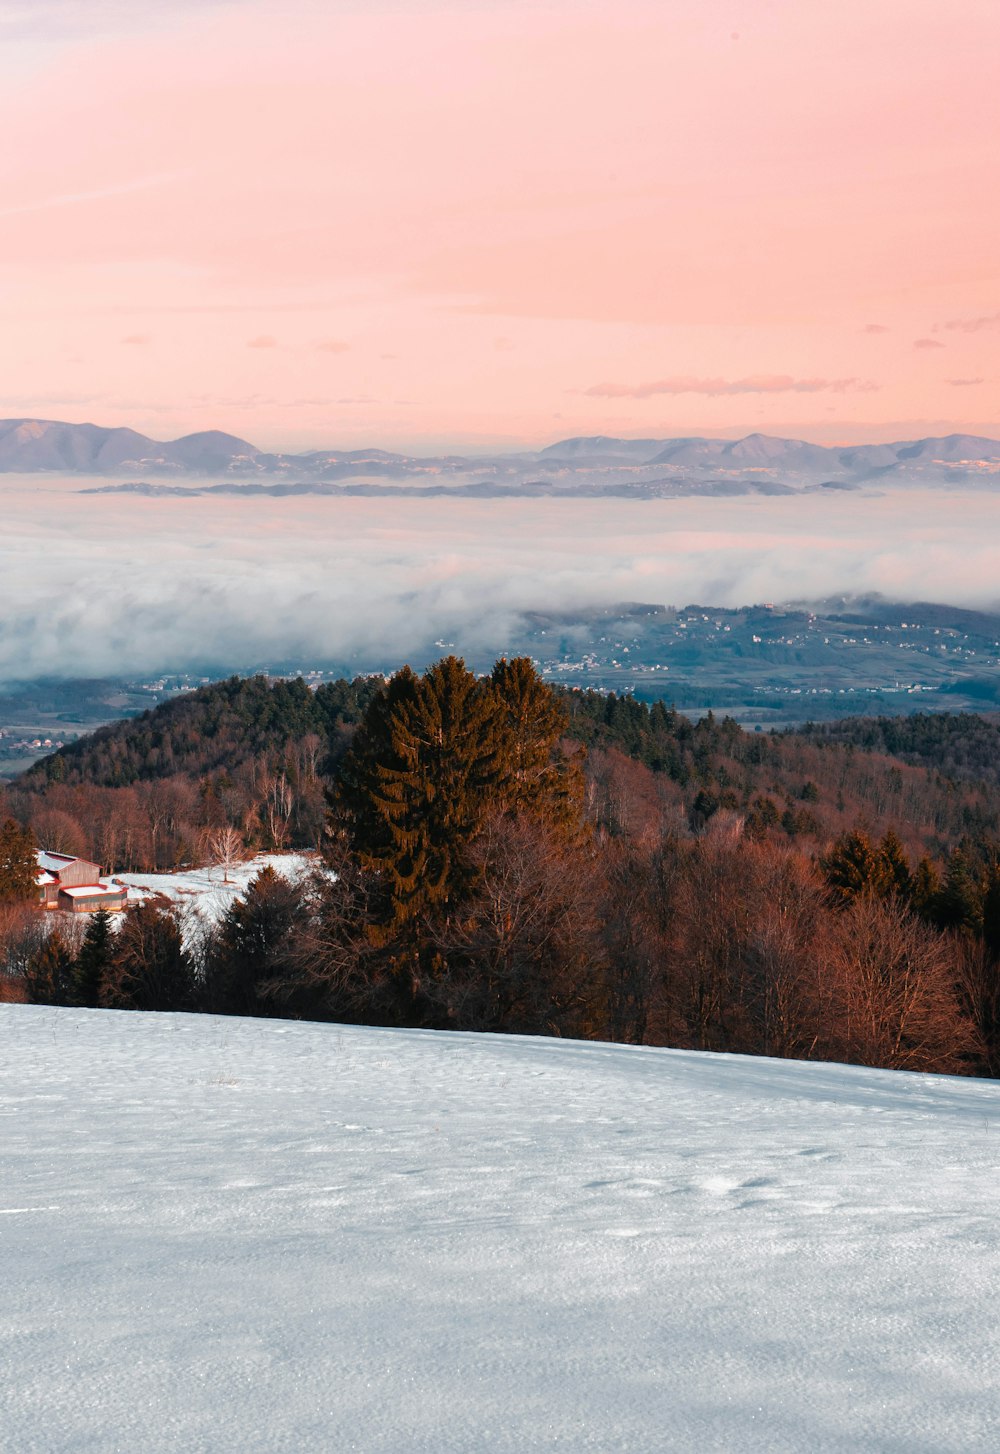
{"points": [[524, 954], [886, 986]]}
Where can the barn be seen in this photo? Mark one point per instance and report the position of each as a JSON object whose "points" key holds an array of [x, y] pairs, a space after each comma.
{"points": [[75, 886]]}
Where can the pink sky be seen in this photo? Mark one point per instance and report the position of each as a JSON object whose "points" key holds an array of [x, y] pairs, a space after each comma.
{"points": [[468, 224]]}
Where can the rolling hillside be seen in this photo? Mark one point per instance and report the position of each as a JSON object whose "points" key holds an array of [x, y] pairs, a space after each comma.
{"points": [[232, 1235]]}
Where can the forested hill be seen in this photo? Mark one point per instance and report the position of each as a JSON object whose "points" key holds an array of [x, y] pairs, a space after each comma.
{"points": [[214, 729], [261, 756], [964, 746], [220, 727]]}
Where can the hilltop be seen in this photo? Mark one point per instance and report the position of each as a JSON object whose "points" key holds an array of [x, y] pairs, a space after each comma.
{"points": [[170, 772], [27, 445], [234, 1234]]}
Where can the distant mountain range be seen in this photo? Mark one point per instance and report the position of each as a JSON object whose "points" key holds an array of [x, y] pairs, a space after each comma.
{"points": [[597, 465]]}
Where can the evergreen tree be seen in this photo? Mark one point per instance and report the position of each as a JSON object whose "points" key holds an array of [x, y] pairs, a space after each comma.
{"points": [[991, 913], [149, 968], [93, 961], [426, 766], [49, 974], [895, 867], [926, 887], [252, 944], [854, 867], [18, 864], [538, 778], [959, 903]]}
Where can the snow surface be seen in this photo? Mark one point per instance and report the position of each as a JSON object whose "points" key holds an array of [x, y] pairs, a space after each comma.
{"points": [[227, 1235], [204, 891]]}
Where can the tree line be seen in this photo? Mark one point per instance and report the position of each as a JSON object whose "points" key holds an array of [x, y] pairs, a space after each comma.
{"points": [[482, 870], [259, 757]]}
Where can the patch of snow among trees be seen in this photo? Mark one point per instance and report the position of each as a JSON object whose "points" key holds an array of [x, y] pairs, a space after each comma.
{"points": [[208, 892], [230, 1235]]}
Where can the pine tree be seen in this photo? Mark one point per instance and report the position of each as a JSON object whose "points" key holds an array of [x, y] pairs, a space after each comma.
{"points": [[991, 913], [93, 961], [49, 973], [252, 944], [959, 903], [149, 968], [538, 778], [426, 766], [895, 867], [18, 864], [854, 867], [926, 887]]}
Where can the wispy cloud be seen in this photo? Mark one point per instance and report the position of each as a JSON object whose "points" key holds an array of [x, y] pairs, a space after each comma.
{"points": [[333, 345], [964, 383], [263, 340], [875, 328], [136, 338], [717, 388], [971, 325], [927, 343]]}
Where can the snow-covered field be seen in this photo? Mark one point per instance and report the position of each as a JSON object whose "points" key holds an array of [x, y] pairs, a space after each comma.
{"points": [[208, 892], [234, 1235]]}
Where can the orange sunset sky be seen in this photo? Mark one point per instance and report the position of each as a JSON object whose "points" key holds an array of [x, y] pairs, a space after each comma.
{"points": [[425, 224]]}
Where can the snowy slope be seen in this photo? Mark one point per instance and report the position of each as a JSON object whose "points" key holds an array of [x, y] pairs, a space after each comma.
{"points": [[229, 1235], [208, 892]]}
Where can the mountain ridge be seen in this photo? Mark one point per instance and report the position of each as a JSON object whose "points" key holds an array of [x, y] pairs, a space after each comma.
{"points": [[580, 464]]}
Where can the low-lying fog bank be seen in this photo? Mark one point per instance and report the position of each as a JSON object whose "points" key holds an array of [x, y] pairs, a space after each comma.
{"points": [[105, 584]]}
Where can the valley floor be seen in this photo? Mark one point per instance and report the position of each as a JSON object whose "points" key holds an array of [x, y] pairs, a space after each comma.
{"points": [[226, 1235]]}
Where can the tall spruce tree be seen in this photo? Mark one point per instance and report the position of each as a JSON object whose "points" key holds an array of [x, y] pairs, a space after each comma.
{"points": [[252, 945], [991, 913], [853, 867], [49, 976], [895, 867], [926, 887], [959, 902], [18, 864], [427, 765], [149, 968], [539, 779], [93, 961]]}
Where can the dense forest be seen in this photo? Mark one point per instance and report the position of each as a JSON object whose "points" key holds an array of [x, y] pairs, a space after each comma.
{"points": [[963, 746], [498, 854], [260, 756]]}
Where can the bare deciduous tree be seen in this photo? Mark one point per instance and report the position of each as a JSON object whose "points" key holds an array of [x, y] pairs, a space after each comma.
{"points": [[886, 986], [225, 847], [524, 955]]}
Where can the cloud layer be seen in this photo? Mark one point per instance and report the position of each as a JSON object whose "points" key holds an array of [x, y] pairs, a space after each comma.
{"points": [[88, 587]]}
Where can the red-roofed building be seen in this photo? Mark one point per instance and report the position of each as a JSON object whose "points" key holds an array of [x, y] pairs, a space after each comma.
{"points": [[75, 885]]}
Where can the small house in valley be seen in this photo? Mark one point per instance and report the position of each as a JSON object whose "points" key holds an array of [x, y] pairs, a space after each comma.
{"points": [[75, 885]]}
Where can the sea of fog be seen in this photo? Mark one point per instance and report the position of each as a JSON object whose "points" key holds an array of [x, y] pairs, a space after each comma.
{"points": [[97, 584]]}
